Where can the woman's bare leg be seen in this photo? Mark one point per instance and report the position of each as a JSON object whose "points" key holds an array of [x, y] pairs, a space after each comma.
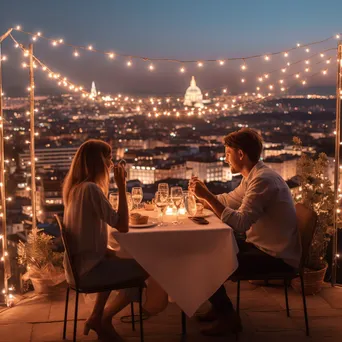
{"points": [[101, 299]]}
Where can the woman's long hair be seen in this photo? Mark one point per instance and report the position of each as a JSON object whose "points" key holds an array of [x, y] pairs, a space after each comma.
{"points": [[90, 164]]}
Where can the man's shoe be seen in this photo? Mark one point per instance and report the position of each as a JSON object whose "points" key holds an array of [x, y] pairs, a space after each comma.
{"points": [[224, 325], [208, 316]]}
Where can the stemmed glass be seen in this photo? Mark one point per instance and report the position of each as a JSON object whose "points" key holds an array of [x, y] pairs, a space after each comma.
{"points": [[137, 196], [114, 200], [164, 187], [177, 197], [161, 202], [129, 201]]}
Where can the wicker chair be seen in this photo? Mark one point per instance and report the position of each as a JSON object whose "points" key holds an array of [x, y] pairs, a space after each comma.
{"points": [[78, 288], [306, 223]]}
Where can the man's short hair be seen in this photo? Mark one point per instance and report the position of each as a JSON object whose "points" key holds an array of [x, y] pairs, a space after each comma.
{"points": [[247, 140]]}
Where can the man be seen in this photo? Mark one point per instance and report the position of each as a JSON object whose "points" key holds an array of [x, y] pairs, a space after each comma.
{"points": [[262, 208]]}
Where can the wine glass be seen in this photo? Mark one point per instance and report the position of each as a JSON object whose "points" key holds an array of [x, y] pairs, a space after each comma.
{"points": [[161, 202], [177, 197], [190, 203], [137, 196], [164, 187], [129, 201], [114, 200]]}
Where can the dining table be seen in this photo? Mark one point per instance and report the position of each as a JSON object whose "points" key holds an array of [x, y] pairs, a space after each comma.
{"points": [[190, 261]]}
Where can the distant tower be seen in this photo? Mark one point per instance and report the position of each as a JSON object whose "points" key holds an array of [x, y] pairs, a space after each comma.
{"points": [[93, 91]]}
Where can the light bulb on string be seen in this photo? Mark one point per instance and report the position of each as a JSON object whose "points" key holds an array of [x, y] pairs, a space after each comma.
{"points": [[244, 66], [90, 47], [337, 36], [307, 62], [322, 55], [307, 69], [151, 67], [76, 53], [267, 58], [18, 27], [243, 80], [221, 62], [182, 69], [129, 63], [307, 50], [111, 55], [200, 64], [286, 54], [283, 70]]}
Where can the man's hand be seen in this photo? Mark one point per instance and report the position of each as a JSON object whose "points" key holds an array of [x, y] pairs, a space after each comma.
{"points": [[119, 176], [198, 188]]}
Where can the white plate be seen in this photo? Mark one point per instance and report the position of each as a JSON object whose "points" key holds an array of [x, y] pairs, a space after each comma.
{"points": [[147, 225], [205, 213]]}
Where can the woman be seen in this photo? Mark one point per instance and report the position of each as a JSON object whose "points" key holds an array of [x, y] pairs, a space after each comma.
{"points": [[86, 215]]}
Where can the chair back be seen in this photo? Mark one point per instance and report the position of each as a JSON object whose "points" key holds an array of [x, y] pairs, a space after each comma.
{"points": [[306, 224], [68, 256]]}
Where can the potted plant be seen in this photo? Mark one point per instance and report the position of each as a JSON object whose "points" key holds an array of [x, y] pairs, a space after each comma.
{"points": [[44, 266], [316, 193]]}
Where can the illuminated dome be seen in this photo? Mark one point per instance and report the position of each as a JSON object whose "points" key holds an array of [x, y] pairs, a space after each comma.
{"points": [[193, 95]]}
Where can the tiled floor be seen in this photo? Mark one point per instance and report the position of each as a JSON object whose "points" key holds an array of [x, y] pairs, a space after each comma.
{"points": [[40, 318]]}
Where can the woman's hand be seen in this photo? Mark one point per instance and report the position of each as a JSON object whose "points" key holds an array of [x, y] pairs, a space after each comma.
{"points": [[119, 176]]}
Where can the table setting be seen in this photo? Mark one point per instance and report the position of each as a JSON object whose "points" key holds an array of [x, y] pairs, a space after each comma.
{"points": [[187, 249]]}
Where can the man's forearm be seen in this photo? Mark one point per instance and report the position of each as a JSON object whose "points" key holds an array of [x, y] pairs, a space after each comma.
{"points": [[215, 204]]}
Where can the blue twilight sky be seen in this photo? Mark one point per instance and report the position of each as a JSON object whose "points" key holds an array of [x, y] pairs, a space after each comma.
{"points": [[186, 29]]}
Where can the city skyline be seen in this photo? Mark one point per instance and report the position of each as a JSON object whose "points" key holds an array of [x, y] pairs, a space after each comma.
{"points": [[184, 30]]}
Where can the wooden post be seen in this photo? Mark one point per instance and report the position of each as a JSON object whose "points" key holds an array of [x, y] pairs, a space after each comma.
{"points": [[337, 163], [3, 233], [32, 150]]}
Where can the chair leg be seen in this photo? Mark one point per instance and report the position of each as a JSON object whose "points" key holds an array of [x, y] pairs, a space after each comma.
{"points": [[66, 313], [75, 318], [304, 306], [183, 323], [132, 315], [238, 298], [286, 298], [140, 315]]}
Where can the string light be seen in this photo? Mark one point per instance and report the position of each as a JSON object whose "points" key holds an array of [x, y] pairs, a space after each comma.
{"points": [[285, 53]]}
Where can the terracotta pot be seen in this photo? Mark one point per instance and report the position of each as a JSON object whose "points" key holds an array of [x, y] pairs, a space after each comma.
{"points": [[313, 280], [43, 286]]}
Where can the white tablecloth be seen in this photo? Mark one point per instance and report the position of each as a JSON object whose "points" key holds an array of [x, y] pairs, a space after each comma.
{"points": [[189, 261]]}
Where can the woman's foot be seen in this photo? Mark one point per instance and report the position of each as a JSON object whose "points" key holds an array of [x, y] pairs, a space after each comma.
{"points": [[110, 330], [103, 332]]}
